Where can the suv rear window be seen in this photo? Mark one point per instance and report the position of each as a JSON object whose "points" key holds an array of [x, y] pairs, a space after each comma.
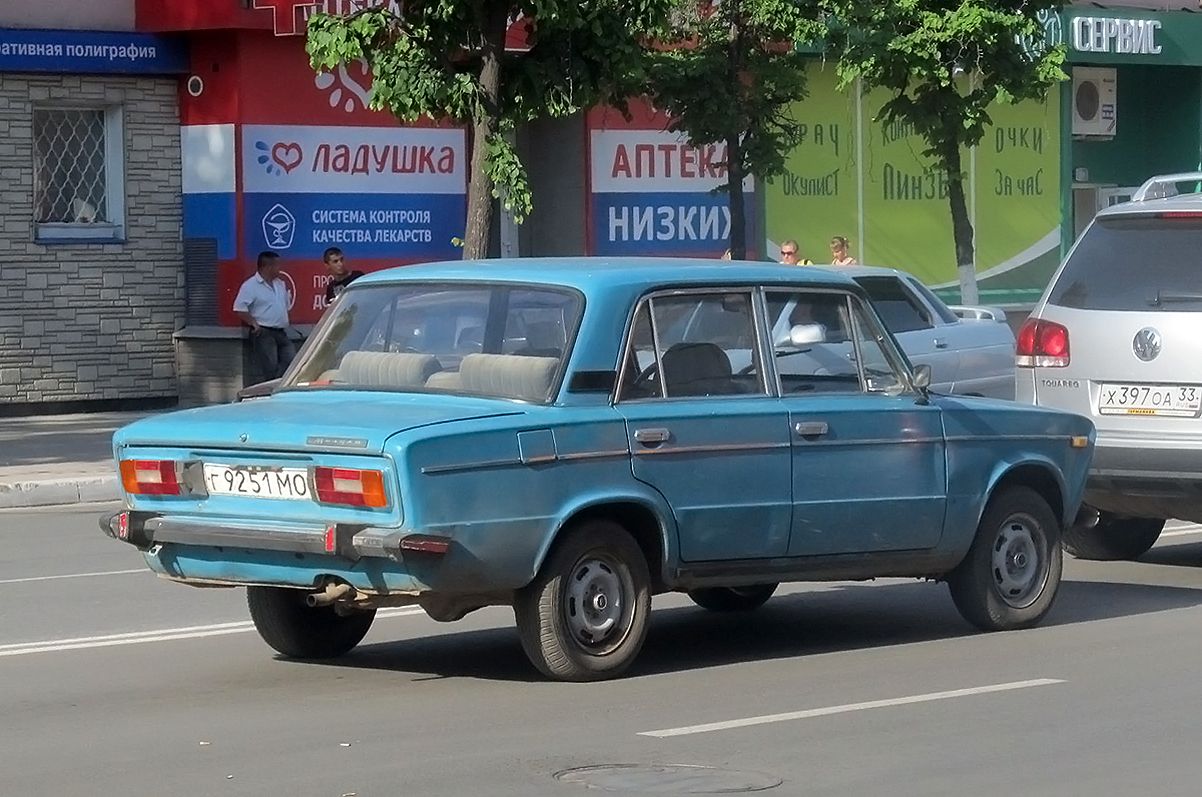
{"points": [[1134, 263]]}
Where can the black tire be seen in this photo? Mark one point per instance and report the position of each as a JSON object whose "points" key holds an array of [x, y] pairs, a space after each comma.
{"points": [[565, 637], [1114, 537], [303, 632], [1009, 578], [732, 599]]}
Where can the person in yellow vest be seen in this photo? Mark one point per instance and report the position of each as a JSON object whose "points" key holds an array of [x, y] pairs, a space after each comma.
{"points": [[791, 256]]}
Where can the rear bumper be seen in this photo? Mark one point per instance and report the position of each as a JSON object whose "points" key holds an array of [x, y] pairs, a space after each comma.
{"points": [[1145, 478], [1145, 459], [146, 530]]}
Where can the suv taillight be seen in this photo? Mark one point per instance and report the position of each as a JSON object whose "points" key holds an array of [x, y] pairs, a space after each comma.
{"points": [[150, 477], [1041, 344]]}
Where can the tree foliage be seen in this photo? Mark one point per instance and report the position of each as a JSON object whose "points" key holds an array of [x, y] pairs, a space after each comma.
{"points": [[729, 72], [946, 62], [446, 59]]}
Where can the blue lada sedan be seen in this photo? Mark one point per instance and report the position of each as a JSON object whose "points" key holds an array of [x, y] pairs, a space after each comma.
{"points": [[571, 437]]}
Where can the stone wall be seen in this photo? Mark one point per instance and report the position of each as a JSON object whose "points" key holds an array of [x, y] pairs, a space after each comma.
{"points": [[91, 321]]}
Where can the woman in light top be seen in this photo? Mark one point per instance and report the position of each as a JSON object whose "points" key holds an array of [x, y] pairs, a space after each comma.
{"points": [[840, 256]]}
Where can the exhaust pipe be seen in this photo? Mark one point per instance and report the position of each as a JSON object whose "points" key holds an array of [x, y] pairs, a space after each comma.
{"points": [[333, 592], [1087, 518]]}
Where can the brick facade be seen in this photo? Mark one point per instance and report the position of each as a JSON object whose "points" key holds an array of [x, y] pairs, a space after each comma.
{"points": [[92, 321]]}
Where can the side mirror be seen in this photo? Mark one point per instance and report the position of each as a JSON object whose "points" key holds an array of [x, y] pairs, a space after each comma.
{"points": [[922, 376], [802, 335]]}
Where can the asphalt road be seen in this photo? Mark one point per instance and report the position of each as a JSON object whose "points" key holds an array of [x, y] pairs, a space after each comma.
{"points": [[114, 683]]}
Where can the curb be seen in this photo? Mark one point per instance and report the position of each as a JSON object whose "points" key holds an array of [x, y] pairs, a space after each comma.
{"points": [[51, 492]]}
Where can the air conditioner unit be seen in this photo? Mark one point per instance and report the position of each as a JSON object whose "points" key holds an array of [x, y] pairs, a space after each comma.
{"points": [[1095, 106]]}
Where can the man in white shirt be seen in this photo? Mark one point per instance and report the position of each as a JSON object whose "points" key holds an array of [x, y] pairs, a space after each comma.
{"points": [[262, 304]]}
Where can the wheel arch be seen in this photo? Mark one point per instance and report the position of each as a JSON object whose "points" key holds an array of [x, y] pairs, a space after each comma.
{"points": [[648, 520], [1040, 475]]}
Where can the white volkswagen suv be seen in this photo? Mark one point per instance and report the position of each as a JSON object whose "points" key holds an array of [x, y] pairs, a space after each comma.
{"points": [[1117, 337]]}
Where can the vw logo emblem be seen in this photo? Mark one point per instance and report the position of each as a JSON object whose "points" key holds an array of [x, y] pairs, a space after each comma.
{"points": [[242, 437], [1147, 344]]}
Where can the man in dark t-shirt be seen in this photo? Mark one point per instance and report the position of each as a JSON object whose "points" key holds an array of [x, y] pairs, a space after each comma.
{"points": [[340, 276]]}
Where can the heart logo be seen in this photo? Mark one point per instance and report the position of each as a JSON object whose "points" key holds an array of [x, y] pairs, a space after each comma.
{"points": [[287, 155]]}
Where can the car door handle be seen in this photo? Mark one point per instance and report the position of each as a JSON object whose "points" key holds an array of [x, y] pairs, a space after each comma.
{"points": [[940, 343], [652, 436], [810, 428]]}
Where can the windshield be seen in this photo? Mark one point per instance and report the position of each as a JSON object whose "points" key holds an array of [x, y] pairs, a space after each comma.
{"points": [[1134, 263], [484, 340]]}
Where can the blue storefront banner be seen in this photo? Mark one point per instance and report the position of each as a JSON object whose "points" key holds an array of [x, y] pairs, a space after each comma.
{"points": [[663, 223], [400, 226], [90, 52]]}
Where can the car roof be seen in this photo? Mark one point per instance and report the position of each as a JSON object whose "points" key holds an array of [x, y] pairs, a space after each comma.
{"points": [[1186, 202], [867, 271], [590, 274]]}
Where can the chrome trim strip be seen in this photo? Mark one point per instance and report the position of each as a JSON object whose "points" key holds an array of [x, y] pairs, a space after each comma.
{"points": [[873, 441], [988, 438], [301, 540], [717, 448], [460, 466], [584, 455], [506, 463]]}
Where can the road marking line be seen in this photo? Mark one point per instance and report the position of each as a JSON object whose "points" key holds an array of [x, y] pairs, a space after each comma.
{"points": [[844, 709], [157, 635], [1184, 532], [74, 575]]}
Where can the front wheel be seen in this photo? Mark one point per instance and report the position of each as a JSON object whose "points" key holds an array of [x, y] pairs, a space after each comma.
{"points": [[584, 617], [732, 599], [1009, 578], [1113, 537], [299, 631]]}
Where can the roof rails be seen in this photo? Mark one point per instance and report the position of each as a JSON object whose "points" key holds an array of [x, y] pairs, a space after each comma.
{"points": [[1165, 185]]}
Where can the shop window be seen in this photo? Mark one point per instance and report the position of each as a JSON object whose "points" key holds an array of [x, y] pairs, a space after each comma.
{"points": [[79, 174]]}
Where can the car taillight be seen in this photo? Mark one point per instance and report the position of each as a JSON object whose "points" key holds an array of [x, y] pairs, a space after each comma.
{"points": [[1042, 344], [150, 477], [350, 487]]}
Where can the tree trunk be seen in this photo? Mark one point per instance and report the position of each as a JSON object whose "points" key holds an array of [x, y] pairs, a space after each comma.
{"points": [[734, 145], [734, 180], [962, 231], [480, 200]]}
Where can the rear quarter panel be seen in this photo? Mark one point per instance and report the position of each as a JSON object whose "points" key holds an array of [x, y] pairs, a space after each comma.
{"points": [[986, 357], [502, 491]]}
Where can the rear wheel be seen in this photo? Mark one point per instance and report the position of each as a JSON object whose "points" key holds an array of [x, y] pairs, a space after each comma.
{"points": [[1010, 575], [732, 599], [1113, 537], [299, 631], [584, 617]]}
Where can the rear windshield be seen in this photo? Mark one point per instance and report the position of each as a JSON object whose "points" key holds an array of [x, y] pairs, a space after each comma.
{"points": [[484, 340], [1134, 263]]}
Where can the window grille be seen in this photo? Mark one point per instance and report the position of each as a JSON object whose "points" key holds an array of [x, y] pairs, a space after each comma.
{"points": [[71, 185]]}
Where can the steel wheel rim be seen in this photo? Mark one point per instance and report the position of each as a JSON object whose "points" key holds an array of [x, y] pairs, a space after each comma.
{"points": [[598, 603], [1020, 561]]}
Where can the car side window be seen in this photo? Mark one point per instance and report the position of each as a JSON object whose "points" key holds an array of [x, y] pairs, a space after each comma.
{"points": [[899, 309], [812, 342], [880, 371], [693, 345]]}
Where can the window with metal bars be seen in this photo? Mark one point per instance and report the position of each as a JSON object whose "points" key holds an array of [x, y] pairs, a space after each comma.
{"points": [[78, 173]]}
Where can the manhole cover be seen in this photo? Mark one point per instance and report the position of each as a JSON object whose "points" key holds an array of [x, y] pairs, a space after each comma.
{"points": [[667, 779]]}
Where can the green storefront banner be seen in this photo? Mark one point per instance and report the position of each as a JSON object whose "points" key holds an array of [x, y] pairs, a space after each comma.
{"points": [[1117, 35], [817, 197], [875, 186]]}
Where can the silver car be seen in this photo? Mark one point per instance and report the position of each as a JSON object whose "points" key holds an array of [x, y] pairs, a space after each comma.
{"points": [[1117, 337], [970, 349]]}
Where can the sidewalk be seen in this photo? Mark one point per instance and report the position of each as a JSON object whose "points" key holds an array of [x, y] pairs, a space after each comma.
{"points": [[59, 459]]}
